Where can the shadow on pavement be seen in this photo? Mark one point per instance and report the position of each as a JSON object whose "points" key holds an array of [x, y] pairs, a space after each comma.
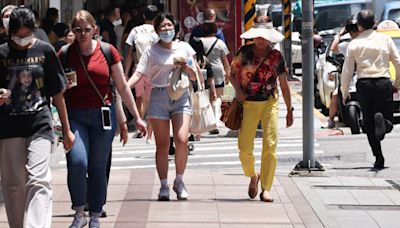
{"points": [[351, 168]]}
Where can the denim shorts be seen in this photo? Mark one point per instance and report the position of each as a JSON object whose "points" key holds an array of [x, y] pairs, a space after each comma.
{"points": [[162, 107]]}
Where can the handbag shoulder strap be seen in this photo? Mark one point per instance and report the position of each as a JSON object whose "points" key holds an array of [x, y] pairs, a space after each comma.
{"points": [[212, 46], [103, 99], [261, 62], [259, 65]]}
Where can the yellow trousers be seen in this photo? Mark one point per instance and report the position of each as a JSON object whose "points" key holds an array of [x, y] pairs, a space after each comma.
{"points": [[253, 113]]}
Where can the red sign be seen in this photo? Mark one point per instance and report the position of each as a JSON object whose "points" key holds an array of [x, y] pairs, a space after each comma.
{"points": [[191, 16]]}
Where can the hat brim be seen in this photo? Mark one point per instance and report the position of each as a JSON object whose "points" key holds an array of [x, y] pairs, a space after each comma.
{"points": [[268, 34]]}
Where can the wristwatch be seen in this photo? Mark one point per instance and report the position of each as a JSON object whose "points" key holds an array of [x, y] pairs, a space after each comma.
{"points": [[291, 109]]}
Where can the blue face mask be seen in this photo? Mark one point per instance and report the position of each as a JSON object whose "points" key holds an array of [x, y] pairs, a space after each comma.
{"points": [[167, 36]]}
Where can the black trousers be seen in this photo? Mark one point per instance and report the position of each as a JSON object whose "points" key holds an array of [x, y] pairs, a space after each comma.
{"points": [[375, 95]]}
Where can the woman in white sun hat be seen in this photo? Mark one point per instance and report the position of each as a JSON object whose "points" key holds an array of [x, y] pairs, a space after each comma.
{"points": [[255, 72]]}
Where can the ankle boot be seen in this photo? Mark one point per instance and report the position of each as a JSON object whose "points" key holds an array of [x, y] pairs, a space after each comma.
{"points": [[379, 162]]}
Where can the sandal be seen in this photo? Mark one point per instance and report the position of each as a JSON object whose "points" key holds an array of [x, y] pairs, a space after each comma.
{"points": [[253, 186], [266, 197]]}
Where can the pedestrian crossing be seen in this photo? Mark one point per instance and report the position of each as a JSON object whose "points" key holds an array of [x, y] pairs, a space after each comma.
{"points": [[210, 152]]}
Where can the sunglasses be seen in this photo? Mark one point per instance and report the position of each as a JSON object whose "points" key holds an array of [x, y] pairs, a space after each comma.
{"points": [[81, 30]]}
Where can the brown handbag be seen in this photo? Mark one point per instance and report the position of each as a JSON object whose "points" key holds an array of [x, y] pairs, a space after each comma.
{"points": [[232, 114]]}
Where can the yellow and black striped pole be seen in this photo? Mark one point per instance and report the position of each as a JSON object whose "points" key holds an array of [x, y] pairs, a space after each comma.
{"points": [[287, 18], [287, 29], [249, 13]]}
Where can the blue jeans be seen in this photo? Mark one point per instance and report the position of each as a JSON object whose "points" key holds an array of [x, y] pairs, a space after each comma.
{"points": [[89, 157]]}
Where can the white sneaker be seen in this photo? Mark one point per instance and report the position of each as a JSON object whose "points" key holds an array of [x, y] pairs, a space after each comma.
{"points": [[79, 220], [164, 193], [94, 220], [180, 189], [94, 223]]}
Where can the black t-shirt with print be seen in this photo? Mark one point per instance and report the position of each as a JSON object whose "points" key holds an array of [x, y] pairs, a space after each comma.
{"points": [[32, 76]]}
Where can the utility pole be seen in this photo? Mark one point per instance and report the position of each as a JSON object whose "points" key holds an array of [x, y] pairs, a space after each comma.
{"points": [[307, 49]]}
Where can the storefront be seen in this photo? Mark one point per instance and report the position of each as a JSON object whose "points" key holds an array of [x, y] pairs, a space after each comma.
{"points": [[228, 19], [188, 12]]}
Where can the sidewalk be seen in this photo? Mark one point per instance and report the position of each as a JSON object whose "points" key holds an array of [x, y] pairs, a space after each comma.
{"points": [[218, 197]]}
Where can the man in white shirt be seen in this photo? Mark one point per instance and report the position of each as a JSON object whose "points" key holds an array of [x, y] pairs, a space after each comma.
{"points": [[371, 52]]}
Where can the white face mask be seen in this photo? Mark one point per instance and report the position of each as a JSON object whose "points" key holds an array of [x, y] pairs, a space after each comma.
{"points": [[6, 22], [22, 41], [117, 22]]}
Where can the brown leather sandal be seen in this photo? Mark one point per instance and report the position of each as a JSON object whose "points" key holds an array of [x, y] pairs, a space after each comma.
{"points": [[253, 186]]}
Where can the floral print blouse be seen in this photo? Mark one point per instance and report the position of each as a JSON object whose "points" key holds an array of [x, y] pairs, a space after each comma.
{"points": [[262, 86]]}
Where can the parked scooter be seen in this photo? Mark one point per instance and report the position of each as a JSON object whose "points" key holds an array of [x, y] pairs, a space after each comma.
{"points": [[349, 113]]}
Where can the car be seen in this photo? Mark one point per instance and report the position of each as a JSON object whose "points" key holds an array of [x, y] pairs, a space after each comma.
{"points": [[395, 35], [391, 11]]}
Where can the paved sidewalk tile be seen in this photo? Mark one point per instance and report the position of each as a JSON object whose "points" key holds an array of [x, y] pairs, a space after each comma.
{"points": [[371, 197], [352, 201], [393, 195], [354, 219], [336, 196], [386, 218]]}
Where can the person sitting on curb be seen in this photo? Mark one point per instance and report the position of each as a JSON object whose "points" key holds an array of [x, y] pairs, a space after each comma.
{"points": [[341, 48]]}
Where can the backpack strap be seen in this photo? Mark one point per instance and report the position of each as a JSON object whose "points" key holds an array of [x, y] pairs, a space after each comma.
{"points": [[105, 48], [64, 55], [212, 46]]}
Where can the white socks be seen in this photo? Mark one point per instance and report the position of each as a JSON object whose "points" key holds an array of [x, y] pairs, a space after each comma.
{"points": [[164, 182], [178, 178]]}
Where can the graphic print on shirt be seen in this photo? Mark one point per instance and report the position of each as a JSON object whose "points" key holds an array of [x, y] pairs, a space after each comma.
{"points": [[26, 84]]}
